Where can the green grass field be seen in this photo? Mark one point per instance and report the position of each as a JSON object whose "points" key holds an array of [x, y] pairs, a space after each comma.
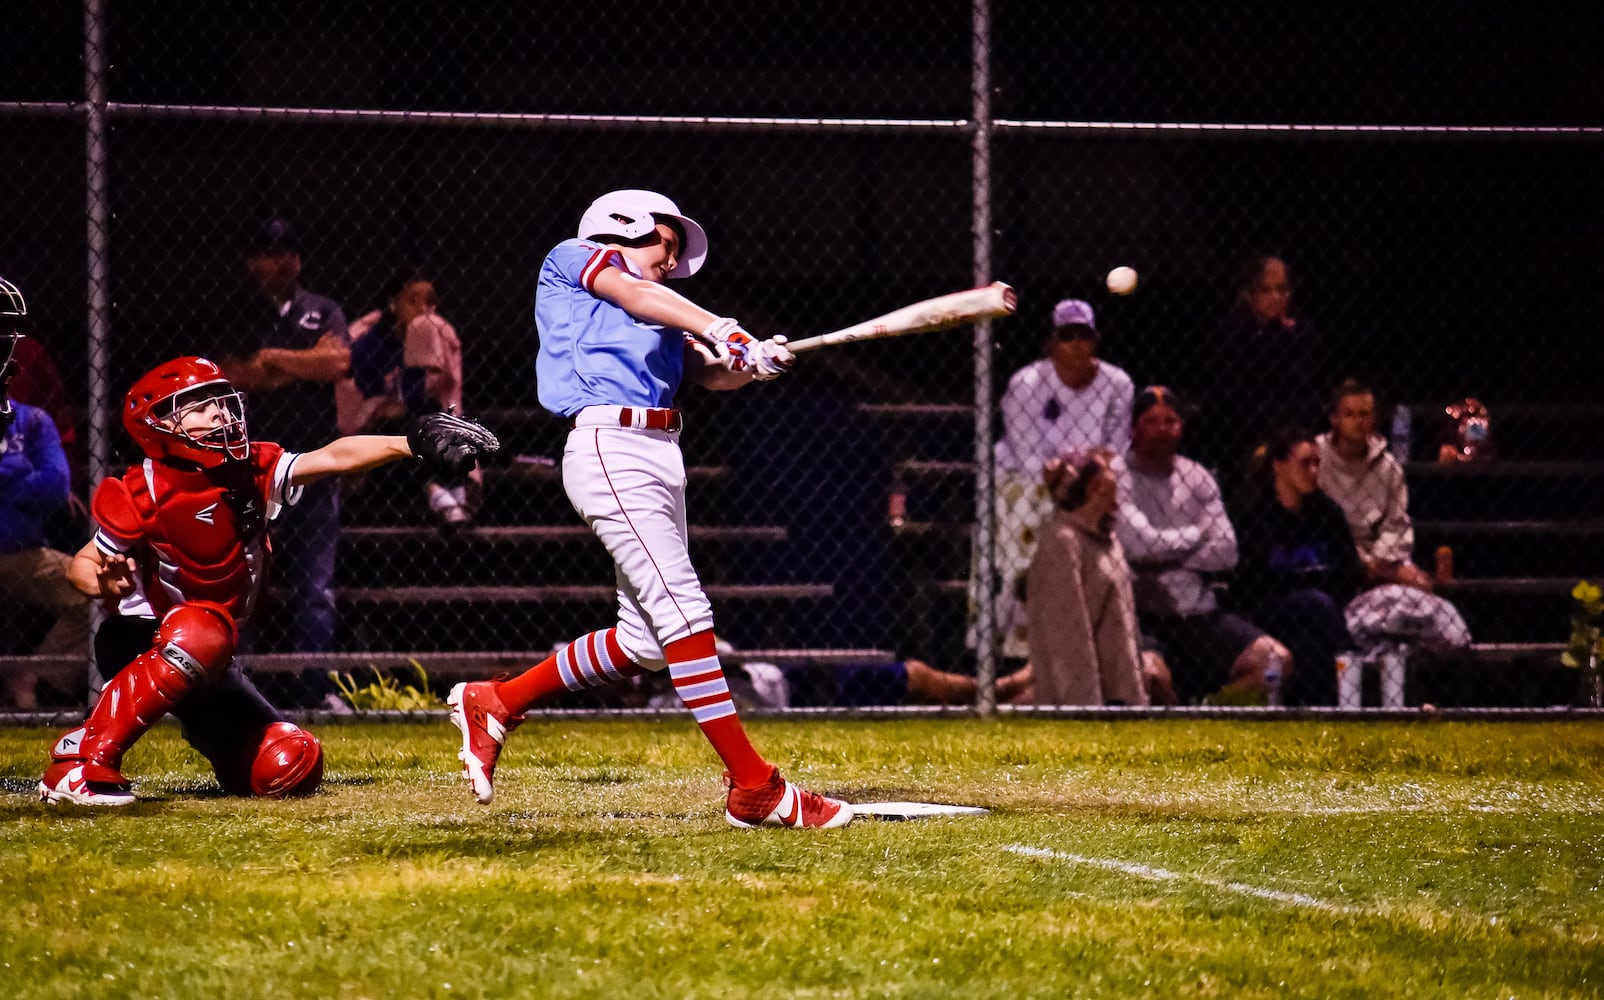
{"points": [[1128, 858]]}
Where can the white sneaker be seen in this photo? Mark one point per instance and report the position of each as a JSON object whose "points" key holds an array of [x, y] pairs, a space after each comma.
{"points": [[450, 507]]}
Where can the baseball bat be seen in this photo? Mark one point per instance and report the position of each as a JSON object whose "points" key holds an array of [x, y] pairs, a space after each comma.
{"points": [[940, 313]]}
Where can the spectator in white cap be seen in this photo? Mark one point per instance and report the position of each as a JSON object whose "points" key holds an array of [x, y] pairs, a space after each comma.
{"points": [[1066, 400]]}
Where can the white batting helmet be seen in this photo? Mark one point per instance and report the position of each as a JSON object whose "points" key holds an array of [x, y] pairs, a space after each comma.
{"points": [[633, 214]]}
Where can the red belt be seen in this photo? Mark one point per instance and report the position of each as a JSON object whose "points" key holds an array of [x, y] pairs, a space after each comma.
{"points": [[636, 417]]}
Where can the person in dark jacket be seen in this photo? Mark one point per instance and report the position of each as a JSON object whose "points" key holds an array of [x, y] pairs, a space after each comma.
{"points": [[1297, 567], [33, 484], [287, 352], [1266, 368]]}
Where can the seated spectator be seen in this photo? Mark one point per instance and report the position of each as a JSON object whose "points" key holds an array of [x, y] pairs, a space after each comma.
{"points": [[1265, 367], [870, 683], [1298, 567], [1066, 400], [38, 383], [33, 484], [36, 380], [1173, 526], [406, 360], [1155, 680], [1083, 639], [1366, 481]]}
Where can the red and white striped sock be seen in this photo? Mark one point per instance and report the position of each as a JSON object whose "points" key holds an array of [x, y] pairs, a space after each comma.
{"points": [[698, 678], [591, 660]]}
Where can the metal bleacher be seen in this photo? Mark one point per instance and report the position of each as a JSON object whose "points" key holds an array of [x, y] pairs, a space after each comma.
{"points": [[497, 597], [1522, 529]]}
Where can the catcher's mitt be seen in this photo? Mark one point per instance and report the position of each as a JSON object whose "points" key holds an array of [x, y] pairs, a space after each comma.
{"points": [[450, 445]]}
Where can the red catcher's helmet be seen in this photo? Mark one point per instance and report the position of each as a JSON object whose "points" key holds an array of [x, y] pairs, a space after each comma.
{"points": [[289, 761], [155, 408]]}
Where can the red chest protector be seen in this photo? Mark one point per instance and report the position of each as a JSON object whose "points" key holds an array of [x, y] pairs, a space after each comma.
{"points": [[206, 528]]}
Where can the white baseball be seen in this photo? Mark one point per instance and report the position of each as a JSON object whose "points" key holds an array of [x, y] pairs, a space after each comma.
{"points": [[1122, 280]]}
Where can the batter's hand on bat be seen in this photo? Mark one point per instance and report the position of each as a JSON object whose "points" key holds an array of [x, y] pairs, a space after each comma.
{"points": [[731, 345], [450, 445], [769, 359]]}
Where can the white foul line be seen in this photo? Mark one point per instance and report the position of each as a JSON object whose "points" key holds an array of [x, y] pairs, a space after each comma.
{"points": [[1165, 875]]}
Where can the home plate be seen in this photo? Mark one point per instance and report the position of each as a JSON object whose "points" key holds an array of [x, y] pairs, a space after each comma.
{"points": [[914, 810]]}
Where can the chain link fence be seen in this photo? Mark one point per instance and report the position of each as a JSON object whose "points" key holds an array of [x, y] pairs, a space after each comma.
{"points": [[1428, 190]]}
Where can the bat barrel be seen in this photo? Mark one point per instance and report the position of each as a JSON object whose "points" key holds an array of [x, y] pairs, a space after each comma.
{"points": [[940, 313]]}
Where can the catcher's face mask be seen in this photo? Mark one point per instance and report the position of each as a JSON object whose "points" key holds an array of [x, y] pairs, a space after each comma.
{"points": [[210, 418]]}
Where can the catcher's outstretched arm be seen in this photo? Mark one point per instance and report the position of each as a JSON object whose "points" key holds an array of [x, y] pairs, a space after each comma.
{"points": [[356, 453]]}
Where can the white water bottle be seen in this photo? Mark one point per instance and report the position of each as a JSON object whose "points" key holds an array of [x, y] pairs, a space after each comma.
{"points": [[1274, 670], [1350, 680], [1392, 678], [1401, 432]]}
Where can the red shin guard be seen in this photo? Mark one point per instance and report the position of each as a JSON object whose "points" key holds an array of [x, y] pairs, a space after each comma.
{"points": [[193, 645]]}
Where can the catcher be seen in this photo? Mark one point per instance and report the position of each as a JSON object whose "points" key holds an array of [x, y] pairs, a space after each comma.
{"points": [[181, 550]]}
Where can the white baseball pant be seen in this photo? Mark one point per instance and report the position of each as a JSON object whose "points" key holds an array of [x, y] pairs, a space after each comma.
{"points": [[629, 486]]}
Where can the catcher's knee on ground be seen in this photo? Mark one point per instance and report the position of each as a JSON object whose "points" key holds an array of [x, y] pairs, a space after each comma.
{"points": [[284, 761]]}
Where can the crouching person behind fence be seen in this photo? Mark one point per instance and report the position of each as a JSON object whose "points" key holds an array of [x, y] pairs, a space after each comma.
{"points": [[1083, 639], [181, 549]]}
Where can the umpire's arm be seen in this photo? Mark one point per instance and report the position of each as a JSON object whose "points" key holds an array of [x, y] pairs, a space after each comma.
{"points": [[329, 360]]}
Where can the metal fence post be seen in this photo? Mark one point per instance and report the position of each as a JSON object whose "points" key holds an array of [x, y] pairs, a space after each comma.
{"points": [[985, 535], [98, 239]]}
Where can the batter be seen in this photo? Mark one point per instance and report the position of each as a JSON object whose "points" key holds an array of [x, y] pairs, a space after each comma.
{"points": [[615, 346]]}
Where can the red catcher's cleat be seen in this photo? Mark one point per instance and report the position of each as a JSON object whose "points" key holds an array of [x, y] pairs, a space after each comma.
{"points": [[84, 784], [777, 802], [477, 711]]}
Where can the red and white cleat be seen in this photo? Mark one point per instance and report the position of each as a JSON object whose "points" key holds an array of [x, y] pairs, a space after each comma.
{"points": [[777, 802], [484, 721], [84, 784]]}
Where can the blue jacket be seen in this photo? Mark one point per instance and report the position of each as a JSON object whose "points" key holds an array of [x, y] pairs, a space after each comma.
{"points": [[33, 479]]}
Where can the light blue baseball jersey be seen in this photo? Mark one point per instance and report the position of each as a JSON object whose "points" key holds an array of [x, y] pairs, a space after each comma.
{"points": [[592, 353]]}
